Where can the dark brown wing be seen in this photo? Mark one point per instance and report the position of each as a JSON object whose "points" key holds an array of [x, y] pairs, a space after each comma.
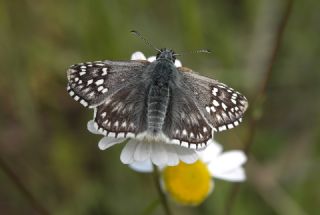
{"points": [[92, 82], [222, 106]]}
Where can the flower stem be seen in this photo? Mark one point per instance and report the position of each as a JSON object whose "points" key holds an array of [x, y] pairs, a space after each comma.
{"points": [[162, 196], [22, 188], [151, 207], [259, 99]]}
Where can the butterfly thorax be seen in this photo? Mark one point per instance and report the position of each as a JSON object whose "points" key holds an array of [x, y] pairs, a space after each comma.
{"points": [[163, 73]]}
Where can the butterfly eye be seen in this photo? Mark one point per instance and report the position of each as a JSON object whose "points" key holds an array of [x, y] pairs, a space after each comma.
{"points": [[158, 54], [173, 57]]}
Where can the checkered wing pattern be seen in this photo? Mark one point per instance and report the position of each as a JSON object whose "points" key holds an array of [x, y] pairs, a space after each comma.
{"points": [[124, 113], [185, 125], [222, 106], [92, 82]]}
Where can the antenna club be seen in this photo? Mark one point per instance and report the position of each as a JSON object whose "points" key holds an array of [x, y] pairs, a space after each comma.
{"points": [[144, 39]]}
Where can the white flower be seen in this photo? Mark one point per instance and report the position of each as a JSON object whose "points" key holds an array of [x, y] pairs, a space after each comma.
{"points": [[222, 165], [191, 184], [135, 150], [140, 56]]}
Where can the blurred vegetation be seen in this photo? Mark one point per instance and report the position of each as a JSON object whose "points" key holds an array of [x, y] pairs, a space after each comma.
{"points": [[44, 142]]}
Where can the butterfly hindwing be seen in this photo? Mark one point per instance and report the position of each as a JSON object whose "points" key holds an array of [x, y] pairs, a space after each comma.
{"points": [[92, 82], [222, 106], [124, 113], [184, 124]]}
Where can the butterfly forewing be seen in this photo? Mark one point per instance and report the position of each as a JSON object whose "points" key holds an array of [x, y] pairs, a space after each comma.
{"points": [[222, 106], [92, 82]]}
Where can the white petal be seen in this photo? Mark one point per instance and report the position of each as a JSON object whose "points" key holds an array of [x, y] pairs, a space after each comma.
{"points": [[107, 142], [138, 56], [158, 154], [142, 151], [173, 158], [235, 175], [227, 161], [91, 128], [128, 151], [178, 63], [186, 155], [210, 153], [142, 166], [151, 59]]}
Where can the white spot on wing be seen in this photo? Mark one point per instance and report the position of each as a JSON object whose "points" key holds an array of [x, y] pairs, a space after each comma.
{"points": [[222, 128], [214, 91], [191, 135], [224, 106], [71, 93], [205, 129], [184, 144], [224, 115], [215, 103], [230, 126], [208, 109], [193, 146], [184, 132], [103, 115], [99, 82], [84, 103], [104, 71], [100, 88]]}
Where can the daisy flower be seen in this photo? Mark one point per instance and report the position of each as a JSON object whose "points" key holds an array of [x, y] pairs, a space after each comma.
{"points": [[190, 184], [135, 150]]}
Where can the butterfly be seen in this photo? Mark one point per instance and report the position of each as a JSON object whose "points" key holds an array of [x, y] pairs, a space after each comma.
{"points": [[156, 100]]}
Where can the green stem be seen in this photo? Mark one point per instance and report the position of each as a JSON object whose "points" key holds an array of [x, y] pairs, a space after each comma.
{"points": [[162, 196], [259, 99], [151, 207], [22, 188]]}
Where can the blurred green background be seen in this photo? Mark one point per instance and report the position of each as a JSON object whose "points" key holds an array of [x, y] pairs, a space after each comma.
{"points": [[43, 135]]}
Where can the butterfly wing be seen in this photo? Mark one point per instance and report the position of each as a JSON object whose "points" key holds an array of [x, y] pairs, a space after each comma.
{"points": [[185, 124], [123, 114], [222, 106], [200, 105], [92, 82]]}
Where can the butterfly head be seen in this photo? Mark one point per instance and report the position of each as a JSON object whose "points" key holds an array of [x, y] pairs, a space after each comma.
{"points": [[166, 54]]}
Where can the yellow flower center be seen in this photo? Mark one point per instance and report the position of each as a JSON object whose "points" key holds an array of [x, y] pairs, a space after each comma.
{"points": [[188, 184]]}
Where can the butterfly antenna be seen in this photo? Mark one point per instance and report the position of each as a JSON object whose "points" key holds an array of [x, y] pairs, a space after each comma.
{"points": [[206, 51], [145, 40]]}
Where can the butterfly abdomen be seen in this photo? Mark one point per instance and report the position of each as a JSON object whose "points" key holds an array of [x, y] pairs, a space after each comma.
{"points": [[158, 100], [158, 97]]}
